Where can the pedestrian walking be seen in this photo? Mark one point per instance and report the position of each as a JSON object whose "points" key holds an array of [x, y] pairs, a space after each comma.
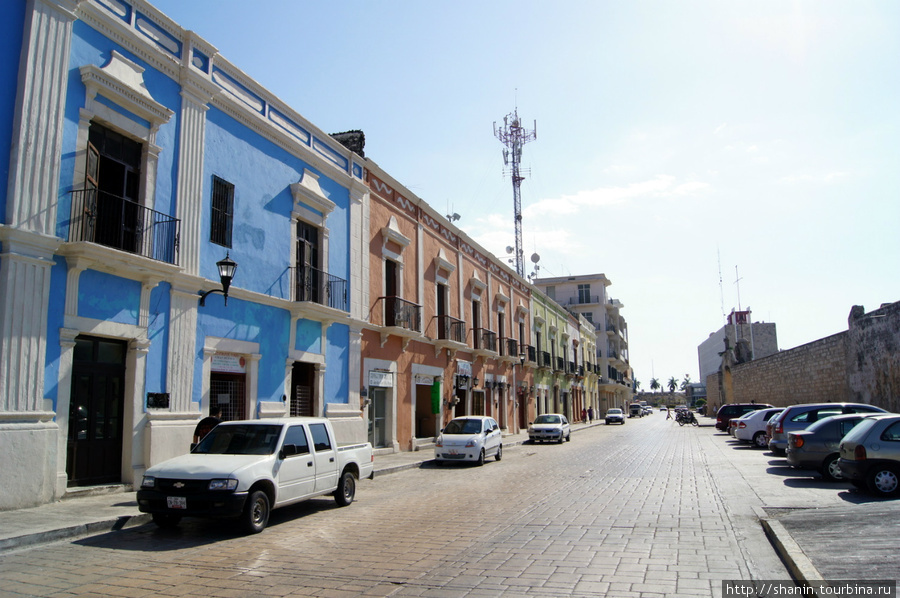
{"points": [[590, 413], [205, 425], [583, 414]]}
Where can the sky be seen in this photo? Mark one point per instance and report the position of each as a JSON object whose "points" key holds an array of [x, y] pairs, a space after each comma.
{"points": [[704, 155]]}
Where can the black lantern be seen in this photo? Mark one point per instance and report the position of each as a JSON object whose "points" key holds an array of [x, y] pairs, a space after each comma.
{"points": [[226, 268]]}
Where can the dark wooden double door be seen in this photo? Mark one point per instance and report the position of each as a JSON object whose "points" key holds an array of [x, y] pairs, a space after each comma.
{"points": [[94, 453]]}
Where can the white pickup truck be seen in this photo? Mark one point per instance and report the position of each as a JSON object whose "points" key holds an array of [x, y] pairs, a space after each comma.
{"points": [[243, 469]]}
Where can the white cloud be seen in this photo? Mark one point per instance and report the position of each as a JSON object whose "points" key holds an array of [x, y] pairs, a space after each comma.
{"points": [[660, 186]]}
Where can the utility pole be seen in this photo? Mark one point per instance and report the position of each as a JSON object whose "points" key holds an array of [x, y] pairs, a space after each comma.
{"points": [[513, 135]]}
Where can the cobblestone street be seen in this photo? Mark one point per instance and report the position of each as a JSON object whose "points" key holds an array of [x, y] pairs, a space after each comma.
{"points": [[645, 509]]}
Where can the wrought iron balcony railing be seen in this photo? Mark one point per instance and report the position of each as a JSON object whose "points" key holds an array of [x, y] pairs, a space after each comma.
{"points": [[546, 361], [311, 284], [111, 221], [402, 313], [451, 329], [485, 339], [509, 347]]}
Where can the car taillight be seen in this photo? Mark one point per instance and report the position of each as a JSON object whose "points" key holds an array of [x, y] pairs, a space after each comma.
{"points": [[859, 453], [779, 429], [798, 441], [742, 425]]}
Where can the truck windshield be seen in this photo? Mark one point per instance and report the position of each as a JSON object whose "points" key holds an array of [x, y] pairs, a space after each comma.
{"points": [[241, 439]]}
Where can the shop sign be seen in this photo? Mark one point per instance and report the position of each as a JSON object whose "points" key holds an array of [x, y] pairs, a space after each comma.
{"points": [[380, 378], [228, 363]]}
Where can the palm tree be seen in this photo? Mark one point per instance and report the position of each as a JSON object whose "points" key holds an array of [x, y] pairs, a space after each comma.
{"points": [[686, 382], [654, 384], [672, 384], [637, 385]]}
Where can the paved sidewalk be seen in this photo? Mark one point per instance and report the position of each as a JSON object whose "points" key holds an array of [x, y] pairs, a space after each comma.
{"points": [[803, 538]]}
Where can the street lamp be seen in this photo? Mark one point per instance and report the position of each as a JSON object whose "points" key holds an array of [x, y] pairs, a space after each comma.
{"points": [[226, 268]]}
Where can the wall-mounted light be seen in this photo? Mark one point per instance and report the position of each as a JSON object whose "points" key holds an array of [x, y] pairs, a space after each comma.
{"points": [[475, 382], [226, 268]]}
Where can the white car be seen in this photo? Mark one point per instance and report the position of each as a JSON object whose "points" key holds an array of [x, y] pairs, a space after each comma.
{"points": [[550, 426], [470, 439], [752, 427], [615, 415]]}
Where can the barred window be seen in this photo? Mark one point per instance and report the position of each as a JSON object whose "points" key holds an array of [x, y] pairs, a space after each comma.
{"points": [[222, 212]]}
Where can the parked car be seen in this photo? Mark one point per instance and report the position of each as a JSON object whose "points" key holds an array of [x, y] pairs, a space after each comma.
{"points": [[469, 439], [550, 426], [733, 424], [615, 416], [648, 410], [751, 426], [870, 454], [727, 412], [636, 410], [817, 447], [798, 417], [243, 469]]}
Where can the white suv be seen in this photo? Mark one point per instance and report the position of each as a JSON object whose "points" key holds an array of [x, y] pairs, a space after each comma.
{"points": [[752, 426]]}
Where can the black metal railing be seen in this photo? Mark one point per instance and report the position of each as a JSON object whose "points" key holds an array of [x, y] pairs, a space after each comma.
{"points": [[402, 313], [544, 359], [120, 223], [560, 365], [451, 329], [509, 346], [317, 286], [485, 339], [584, 299], [531, 354], [570, 369]]}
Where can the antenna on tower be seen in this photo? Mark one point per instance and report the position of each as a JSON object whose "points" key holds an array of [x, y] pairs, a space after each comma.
{"points": [[513, 135]]}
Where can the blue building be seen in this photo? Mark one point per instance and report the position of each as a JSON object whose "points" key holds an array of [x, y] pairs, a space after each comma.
{"points": [[136, 159]]}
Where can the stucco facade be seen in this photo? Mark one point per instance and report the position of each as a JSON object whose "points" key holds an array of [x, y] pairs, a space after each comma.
{"points": [[138, 158], [447, 327]]}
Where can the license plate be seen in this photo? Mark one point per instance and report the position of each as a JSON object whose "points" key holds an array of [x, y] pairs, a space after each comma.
{"points": [[176, 502]]}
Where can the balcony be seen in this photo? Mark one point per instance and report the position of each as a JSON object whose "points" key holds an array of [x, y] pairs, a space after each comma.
{"points": [[451, 334], [509, 350], [485, 342], [530, 354], [398, 318], [316, 286], [545, 361], [560, 365], [584, 300], [122, 224], [452, 329]]}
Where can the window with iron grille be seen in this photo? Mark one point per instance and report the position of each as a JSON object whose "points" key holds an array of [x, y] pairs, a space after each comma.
{"points": [[222, 212]]}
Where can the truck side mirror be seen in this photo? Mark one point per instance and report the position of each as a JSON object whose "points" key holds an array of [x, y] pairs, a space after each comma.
{"points": [[288, 450]]}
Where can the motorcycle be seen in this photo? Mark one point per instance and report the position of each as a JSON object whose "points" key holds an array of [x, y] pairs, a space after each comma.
{"points": [[686, 417]]}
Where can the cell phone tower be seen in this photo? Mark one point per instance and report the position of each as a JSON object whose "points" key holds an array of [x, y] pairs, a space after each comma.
{"points": [[513, 135]]}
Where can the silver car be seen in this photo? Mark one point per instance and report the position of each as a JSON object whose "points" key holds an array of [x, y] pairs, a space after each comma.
{"points": [[870, 455], [550, 426], [816, 447], [798, 417]]}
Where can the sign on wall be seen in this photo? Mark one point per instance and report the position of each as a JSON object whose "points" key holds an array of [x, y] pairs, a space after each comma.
{"points": [[228, 363]]}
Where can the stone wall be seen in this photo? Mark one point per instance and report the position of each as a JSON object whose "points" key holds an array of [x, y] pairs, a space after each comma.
{"points": [[873, 356], [860, 365], [811, 373]]}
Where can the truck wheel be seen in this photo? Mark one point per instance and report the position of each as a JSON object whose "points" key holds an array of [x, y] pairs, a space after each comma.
{"points": [[346, 490], [256, 512], [165, 520]]}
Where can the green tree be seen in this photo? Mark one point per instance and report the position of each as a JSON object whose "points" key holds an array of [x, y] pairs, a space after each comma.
{"points": [[654, 384], [686, 382], [673, 384], [637, 385]]}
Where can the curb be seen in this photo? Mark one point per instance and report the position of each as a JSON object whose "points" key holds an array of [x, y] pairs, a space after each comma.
{"points": [[798, 564], [75, 531]]}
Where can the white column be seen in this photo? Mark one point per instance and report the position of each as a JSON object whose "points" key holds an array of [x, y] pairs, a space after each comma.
{"points": [[38, 120], [194, 104], [182, 350]]}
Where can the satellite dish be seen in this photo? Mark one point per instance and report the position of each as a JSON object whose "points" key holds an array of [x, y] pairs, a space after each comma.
{"points": [[509, 249], [535, 258]]}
